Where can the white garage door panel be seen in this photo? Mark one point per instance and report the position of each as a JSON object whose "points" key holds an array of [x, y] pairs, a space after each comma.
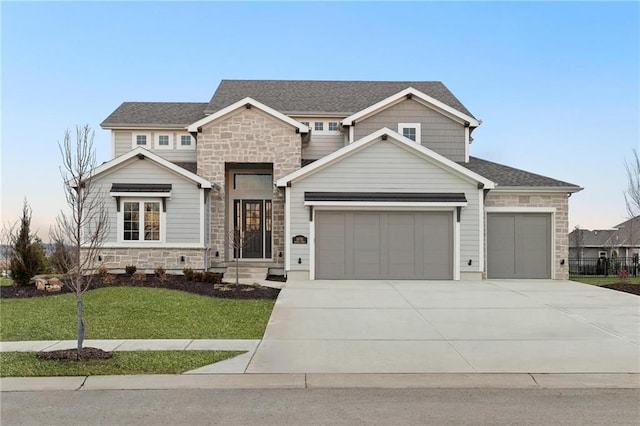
{"points": [[384, 245]]}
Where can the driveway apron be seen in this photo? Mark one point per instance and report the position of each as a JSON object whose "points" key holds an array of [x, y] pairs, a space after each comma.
{"points": [[493, 326]]}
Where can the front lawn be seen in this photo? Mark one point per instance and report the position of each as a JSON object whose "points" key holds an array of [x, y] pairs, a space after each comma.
{"points": [[134, 313], [25, 364]]}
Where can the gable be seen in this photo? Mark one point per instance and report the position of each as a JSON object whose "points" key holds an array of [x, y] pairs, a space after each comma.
{"points": [[386, 166]]}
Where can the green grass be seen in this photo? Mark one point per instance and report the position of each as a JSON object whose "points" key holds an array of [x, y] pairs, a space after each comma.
{"points": [[6, 281], [25, 364], [604, 280], [134, 313]]}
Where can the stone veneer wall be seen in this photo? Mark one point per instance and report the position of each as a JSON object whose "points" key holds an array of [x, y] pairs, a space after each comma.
{"points": [[151, 258], [557, 200], [246, 136]]}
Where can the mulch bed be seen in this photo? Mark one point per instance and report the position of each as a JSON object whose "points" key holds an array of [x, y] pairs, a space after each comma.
{"points": [[626, 287], [171, 282], [85, 354]]}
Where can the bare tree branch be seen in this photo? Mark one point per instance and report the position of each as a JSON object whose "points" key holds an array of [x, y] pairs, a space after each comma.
{"points": [[83, 229]]}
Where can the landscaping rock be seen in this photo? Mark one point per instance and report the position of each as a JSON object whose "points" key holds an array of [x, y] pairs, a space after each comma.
{"points": [[54, 281], [41, 283], [53, 288]]}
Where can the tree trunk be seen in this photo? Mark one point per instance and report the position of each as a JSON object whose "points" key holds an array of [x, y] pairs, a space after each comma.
{"points": [[237, 279], [80, 324]]}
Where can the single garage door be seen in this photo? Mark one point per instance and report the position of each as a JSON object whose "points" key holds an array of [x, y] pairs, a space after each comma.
{"points": [[383, 245], [518, 245]]}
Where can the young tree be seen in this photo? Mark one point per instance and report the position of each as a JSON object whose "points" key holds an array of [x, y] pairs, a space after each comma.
{"points": [[632, 201], [85, 227], [27, 255], [238, 240]]}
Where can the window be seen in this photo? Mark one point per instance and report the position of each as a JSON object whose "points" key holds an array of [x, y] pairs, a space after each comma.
{"points": [[410, 130], [185, 142], [306, 123], [253, 182], [163, 141], [602, 254], [333, 126], [318, 126], [140, 139], [141, 220]]}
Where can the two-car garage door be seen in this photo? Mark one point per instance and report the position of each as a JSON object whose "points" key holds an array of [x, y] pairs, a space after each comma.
{"points": [[383, 245]]}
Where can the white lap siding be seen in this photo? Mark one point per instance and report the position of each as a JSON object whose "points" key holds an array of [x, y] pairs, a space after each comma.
{"points": [[386, 167]]}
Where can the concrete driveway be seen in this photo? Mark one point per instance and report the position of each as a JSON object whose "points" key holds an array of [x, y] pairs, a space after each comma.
{"points": [[494, 326]]}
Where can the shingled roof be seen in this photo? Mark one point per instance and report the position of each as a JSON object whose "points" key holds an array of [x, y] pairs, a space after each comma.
{"points": [[320, 97], [510, 176], [155, 114]]}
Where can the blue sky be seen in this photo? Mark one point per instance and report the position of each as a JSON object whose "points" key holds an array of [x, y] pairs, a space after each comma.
{"points": [[556, 84]]}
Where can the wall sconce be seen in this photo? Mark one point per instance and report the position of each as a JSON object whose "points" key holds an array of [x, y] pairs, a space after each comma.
{"points": [[181, 259], [299, 260], [280, 254], [470, 262], [99, 258], [562, 262], [217, 254]]}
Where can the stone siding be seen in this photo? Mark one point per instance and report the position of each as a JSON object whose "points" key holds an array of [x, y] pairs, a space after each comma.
{"points": [[246, 136], [559, 201], [150, 258]]}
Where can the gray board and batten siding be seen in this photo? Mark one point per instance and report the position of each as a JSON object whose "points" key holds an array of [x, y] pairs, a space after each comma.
{"points": [[383, 166], [183, 208], [438, 132]]}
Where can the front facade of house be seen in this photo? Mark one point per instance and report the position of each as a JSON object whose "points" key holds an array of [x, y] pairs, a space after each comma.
{"points": [[328, 180]]}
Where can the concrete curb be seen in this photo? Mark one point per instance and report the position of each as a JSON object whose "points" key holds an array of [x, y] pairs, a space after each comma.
{"points": [[324, 381]]}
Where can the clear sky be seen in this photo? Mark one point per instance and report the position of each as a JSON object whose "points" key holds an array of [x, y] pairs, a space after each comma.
{"points": [[556, 84]]}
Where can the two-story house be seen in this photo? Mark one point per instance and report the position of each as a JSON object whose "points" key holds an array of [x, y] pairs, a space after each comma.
{"points": [[331, 179]]}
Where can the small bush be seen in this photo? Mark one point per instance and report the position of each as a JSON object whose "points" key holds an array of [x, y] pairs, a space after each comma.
{"points": [[160, 273], [108, 279], [102, 271], [623, 274], [188, 274], [198, 277], [212, 278], [139, 276], [130, 270]]}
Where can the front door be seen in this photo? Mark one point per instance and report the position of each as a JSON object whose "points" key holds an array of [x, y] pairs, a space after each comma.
{"points": [[253, 228]]}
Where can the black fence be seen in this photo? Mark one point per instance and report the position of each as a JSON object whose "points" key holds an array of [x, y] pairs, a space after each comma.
{"points": [[594, 266]]}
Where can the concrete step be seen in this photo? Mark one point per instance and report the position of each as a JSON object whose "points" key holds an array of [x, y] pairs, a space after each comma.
{"points": [[246, 272]]}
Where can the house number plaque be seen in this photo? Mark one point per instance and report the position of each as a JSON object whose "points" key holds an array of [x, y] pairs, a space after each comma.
{"points": [[299, 239]]}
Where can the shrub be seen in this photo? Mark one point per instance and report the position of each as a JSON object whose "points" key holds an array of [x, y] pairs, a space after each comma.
{"points": [[212, 278], [198, 277], [102, 271], [160, 273], [27, 252], [623, 274], [130, 270], [188, 274], [60, 259], [139, 276]]}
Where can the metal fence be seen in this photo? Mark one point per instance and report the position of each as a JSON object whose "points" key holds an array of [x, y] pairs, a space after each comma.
{"points": [[604, 267]]}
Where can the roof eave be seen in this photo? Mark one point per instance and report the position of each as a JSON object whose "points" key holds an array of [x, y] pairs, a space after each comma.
{"points": [[137, 126], [570, 189]]}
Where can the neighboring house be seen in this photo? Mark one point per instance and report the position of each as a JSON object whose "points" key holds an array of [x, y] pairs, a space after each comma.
{"points": [[621, 241], [331, 179]]}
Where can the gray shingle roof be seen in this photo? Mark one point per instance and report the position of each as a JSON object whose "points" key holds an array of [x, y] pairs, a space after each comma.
{"points": [[313, 96], [509, 176], [155, 114]]}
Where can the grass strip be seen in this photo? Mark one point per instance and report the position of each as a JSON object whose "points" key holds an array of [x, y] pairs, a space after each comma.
{"points": [[605, 280], [134, 313], [25, 364]]}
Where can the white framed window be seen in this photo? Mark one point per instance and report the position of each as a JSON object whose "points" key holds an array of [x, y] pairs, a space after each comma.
{"points": [[185, 141], [164, 141], [318, 126], [141, 220], [140, 139], [306, 123], [410, 130], [333, 126], [602, 254]]}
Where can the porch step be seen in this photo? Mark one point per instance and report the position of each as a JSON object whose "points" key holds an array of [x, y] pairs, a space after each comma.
{"points": [[251, 272]]}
